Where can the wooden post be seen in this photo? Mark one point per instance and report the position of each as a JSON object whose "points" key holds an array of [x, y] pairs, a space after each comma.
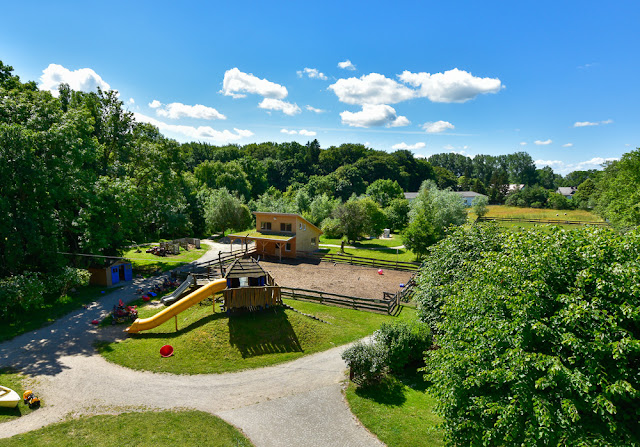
{"points": [[176, 320]]}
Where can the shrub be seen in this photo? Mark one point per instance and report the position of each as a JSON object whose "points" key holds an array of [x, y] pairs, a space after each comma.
{"points": [[367, 361], [20, 293], [404, 343], [536, 205], [331, 228], [66, 280]]}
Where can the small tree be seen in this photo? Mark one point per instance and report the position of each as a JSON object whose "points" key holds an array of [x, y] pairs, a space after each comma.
{"points": [[225, 211], [479, 205], [353, 219], [383, 191]]}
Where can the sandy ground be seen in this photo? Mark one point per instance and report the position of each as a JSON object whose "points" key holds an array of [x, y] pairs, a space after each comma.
{"points": [[302, 405], [343, 279]]}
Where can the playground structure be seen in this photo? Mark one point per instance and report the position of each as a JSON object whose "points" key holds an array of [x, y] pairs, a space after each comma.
{"points": [[249, 287]]}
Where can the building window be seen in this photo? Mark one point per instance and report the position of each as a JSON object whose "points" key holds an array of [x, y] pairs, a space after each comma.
{"points": [[285, 227], [301, 225], [305, 227], [265, 225], [287, 247], [313, 241]]}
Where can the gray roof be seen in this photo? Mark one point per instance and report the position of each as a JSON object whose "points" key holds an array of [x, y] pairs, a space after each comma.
{"points": [[567, 190], [245, 268], [469, 194], [410, 195]]}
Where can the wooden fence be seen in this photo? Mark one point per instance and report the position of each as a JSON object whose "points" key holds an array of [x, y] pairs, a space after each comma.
{"points": [[366, 262], [388, 305], [542, 221], [251, 297]]}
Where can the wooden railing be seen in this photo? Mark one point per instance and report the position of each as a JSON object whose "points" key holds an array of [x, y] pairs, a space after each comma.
{"points": [[388, 305], [252, 297], [543, 221], [345, 258]]}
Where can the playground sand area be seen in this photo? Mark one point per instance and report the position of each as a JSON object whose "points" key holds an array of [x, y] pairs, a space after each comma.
{"points": [[342, 279]]}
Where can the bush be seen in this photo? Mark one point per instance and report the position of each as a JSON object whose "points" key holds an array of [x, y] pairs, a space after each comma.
{"points": [[69, 278], [539, 341], [367, 361], [404, 343], [536, 205], [20, 293], [331, 228]]}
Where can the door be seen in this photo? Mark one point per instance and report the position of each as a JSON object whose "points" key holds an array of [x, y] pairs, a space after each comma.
{"points": [[115, 275], [128, 272]]}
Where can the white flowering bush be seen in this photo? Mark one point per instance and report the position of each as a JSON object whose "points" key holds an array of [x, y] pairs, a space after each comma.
{"points": [[69, 278], [19, 293]]}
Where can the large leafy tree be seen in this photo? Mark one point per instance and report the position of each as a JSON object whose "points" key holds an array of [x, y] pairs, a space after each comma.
{"points": [[224, 211], [619, 191], [383, 191], [539, 340]]}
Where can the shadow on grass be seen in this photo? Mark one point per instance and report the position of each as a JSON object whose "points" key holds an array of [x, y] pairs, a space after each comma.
{"points": [[181, 330], [389, 391], [260, 333]]}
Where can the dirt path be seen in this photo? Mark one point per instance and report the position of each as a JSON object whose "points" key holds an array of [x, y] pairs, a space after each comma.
{"points": [[296, 403]]}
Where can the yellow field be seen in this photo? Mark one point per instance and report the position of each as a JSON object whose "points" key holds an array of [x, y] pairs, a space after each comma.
{"points": [[536, 213]]}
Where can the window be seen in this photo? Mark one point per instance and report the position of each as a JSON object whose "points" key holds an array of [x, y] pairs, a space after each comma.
{"points": [[287, 247], [305, 227], [285, 227], [265, 225], [300, 225], [313, 241]]}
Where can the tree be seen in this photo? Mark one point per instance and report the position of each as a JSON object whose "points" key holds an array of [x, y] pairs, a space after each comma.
{"points": [[383, 191], [225, 211], [479, 205], [376, 219], [618, 191], [353, 219], [397, 214], [320, 208], [419, 235], [538, 339]]}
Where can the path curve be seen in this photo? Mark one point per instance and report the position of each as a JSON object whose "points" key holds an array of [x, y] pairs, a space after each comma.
{"points": [[295, 403]]}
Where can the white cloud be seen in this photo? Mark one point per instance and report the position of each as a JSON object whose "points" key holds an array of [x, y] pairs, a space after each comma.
{"points": [[314, 110], [438, 126], [312, 73], [543, 143], [448, 147], [564, 168], [346, 65], [197, 133], [275, 104], [131, 101], [304, 132], [451, 86], [591, 123], [237, 83], [410, 147], [177, 110], [567, 145], [374, 115], [373, 88], [83, 79], [523, 143]]}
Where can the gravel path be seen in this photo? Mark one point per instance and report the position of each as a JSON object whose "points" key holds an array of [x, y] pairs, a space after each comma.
{"points": [[296, 403]]}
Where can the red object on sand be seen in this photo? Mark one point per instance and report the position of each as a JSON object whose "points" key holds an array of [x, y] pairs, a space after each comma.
{"points": [[95, 322], [146, 298], [166, 351], [380, 272]]}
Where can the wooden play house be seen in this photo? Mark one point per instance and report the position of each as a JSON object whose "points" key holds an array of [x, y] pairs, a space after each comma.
{"points": [[249, 287], [112, 274]]}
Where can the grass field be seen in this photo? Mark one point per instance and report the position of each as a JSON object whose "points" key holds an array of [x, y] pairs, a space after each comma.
{"points": [[372, 248], [147, 263], [148, 429], [35, 319], [393, 241], [399, 411], [216, 343], [10, 379], [539, 213]]}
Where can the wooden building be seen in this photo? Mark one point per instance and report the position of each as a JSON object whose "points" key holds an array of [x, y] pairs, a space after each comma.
{"points": [[282, 235], [249, 287], [113, 274]]}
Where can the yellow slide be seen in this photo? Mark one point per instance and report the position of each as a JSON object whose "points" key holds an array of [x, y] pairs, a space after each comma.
{"points": [[185, 303]]}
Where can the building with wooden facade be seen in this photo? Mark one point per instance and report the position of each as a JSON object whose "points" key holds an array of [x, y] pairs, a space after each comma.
{"points": [[282, 235], [249, 287]]}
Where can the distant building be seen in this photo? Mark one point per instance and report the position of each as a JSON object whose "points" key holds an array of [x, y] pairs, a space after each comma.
{"points": [[514, 187], [282, 235], [567, 191], [468, 196], [410, 195]]}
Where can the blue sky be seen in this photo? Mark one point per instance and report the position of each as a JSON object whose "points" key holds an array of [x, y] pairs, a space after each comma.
{"points": [[556, 79]]}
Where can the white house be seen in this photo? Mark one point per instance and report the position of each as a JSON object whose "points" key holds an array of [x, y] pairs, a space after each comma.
{"points": [[567, 191], [468, 196]]}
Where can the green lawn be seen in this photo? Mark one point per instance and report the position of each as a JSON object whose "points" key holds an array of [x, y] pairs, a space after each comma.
{"points": [[148, 429], [388, 255], [393, 241], [35, 319], [10, 379], [215, 343], [147, 263], [399, 411]]}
